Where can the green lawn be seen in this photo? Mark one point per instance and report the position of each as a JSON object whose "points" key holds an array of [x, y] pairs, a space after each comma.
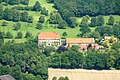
{"points": [[71, 32], [31, 27]]}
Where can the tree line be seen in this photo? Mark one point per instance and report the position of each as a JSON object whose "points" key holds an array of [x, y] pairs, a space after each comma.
{"points": [[15, 2], [19, 35], [72, 58], [36, 7], [78, 8], [101, 28], [60, 78], [27, 61], [15, 15]]}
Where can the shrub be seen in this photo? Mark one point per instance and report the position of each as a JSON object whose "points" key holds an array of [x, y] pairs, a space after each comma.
{"points": [[19, 35], [39, 26], [4, 23], [17, 26], [54, 78], [9, 35], [28, 34]]}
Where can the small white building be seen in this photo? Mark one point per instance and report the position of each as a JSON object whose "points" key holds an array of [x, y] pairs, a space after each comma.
{"points": [[109, 38]]}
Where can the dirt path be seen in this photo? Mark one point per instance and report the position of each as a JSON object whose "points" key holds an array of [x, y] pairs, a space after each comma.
{"points": [[81, 74]]}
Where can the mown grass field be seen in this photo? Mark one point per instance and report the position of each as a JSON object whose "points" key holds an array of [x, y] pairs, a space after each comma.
{"points": [[71, 32], [83, 74]]}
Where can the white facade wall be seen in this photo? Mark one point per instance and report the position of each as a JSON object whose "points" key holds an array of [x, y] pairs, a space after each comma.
{"points": [[49, 42]]}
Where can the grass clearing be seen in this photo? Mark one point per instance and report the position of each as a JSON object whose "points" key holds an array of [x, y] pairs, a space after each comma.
{"points": [[71, 32]]}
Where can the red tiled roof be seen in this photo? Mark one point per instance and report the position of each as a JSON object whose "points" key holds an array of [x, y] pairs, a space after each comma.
{"points": [[48, 35], [83, 47], [96, 45], [80, 40]]}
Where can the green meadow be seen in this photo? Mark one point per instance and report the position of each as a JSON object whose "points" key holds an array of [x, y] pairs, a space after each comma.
{"points": [[71, 32]]}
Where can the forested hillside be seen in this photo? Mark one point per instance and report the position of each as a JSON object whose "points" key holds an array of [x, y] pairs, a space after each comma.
{"points": [[22, 20], [72, 58], [77, 8], [23, 61], [72, 8]]}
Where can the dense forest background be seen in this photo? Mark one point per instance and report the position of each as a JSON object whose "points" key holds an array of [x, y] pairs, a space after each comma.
{"points": [[23, 61], [78, 8]]}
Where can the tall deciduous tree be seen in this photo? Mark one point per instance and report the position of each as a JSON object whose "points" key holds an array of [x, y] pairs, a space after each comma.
{"points": [[111, 20], [24, 16], [9, 35], [93, 22], [42, 19], [95, 35], [100, 20], [39, 26], [1, 39], [1, 12], [55, 18], [17, 26], [16, 15], [85, 28], [64, 34], [28, 34], [19, 35], [44, 11], [0, 1], [48, 50], [62, 24], [116, 46], [25, 2], [30, 19], [72, 22], [85, 20], [6, 2], [8, 14], [16, 72], [37, 6]]}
